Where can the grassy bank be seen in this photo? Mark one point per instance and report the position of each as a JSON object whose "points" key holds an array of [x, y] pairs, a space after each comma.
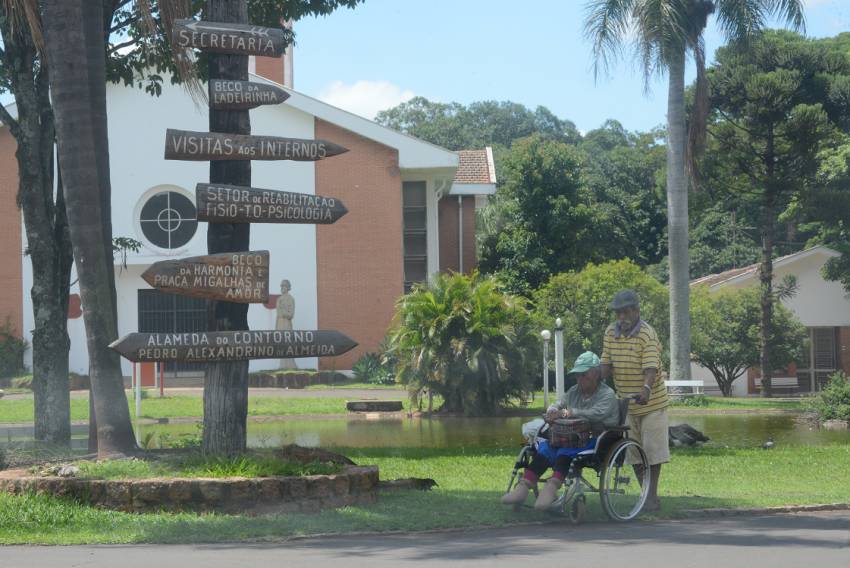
{"points": [[470, 482], [178, 406]]}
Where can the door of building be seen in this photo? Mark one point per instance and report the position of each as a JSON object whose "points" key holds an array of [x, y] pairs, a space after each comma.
{"points": [[814, 371], [161, 312]]}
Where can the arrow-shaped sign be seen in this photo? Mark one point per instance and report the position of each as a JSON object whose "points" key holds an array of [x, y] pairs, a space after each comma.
{"points": [[222, 346], [220, 203], [241, 277], [235, 39], [201, 146], [242, 95]]}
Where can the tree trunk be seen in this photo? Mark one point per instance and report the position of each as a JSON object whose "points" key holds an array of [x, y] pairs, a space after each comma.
{"points": [[677, 225], [226, 384], [46, 226], [766, 300], [78, 114]]}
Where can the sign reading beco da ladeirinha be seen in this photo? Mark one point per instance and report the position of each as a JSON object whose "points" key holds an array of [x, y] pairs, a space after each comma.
{"points": [[233, 39], [243, 95], [223, 346], [241, 277], [203, 146], [220, 203]]}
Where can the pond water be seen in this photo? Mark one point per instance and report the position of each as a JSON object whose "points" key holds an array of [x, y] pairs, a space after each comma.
{"points": [[733, 430]]}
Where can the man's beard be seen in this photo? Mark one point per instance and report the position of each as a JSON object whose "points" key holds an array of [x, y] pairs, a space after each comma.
{"points": [[626, 324]]}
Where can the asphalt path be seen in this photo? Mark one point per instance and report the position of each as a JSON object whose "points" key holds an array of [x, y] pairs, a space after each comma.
{"points": [[795, 540], [256, 393]]}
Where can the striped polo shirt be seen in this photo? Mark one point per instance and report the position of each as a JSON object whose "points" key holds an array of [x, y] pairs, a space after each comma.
{"points": [[630, 356]]}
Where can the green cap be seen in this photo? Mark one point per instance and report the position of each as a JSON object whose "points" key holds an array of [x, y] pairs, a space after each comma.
{"points": [[585, 361]]}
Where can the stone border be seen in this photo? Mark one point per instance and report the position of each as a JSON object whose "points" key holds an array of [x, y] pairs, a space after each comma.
{"points": [[357, 485], [755, 511]]}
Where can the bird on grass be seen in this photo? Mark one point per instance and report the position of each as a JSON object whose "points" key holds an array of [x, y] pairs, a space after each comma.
{"points": [[769, 445]]}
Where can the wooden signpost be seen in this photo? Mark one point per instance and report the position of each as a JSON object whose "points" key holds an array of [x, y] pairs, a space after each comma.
{"points": [[242, 95], [221, 203], [204, 146], [224, 346], [241, 277], [233, 39]]}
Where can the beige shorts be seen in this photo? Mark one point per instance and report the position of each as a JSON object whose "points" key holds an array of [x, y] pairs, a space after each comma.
{"points": [[651, 430]]}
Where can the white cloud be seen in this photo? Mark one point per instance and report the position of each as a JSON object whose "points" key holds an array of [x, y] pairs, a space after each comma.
{"points": [[365, 98]]}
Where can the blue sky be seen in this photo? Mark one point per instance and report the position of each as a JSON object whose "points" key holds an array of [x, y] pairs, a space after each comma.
{"points": [[531, 52], [386, 51]]}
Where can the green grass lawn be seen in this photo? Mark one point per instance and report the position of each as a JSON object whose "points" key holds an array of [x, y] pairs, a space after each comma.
{"points": [[470, 483], [177, 406], [356, 384]]}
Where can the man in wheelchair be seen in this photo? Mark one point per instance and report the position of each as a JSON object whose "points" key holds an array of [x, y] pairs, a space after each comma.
{"points": [[590, 398]]}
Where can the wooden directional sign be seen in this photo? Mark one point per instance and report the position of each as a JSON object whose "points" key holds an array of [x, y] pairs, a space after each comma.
{"points": [[241, 277], [242, 95], [200, 146], [235, 39], [223, 346], [219, 203]]}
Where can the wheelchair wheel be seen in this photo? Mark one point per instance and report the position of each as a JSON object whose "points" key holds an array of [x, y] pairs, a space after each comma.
{"points": [[620, 490], [577, 511]]}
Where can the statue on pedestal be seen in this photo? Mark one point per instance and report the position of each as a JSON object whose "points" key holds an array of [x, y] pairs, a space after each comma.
{"points": [[285, 308]]}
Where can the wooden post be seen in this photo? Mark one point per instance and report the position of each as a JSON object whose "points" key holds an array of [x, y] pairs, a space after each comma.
{"points": [[161, 377], [156, 379]]}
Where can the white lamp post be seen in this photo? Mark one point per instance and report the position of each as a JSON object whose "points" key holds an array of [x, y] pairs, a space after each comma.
{"points": [[559, 359], [545, 334]]}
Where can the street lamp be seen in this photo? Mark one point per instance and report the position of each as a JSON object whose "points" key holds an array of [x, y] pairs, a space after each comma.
{"points": [[545, 334], [559, 359]]}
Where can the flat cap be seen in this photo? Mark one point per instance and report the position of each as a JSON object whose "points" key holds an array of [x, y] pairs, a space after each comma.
{"points": [[624, 298]]}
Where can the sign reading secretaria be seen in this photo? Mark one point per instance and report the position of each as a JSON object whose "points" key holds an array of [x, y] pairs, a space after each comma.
{"points": [[235, 39], [223, 346], [220, 203], [243, 95], [241, 277], [202, 146]]}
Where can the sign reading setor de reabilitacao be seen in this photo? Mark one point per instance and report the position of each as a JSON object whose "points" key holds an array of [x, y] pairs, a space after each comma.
{"points": [[222, 346], [220, 203], [234, 39], [241, 277], [202, 146]]}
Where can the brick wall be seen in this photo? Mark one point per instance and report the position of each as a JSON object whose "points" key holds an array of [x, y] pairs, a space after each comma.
{"points": [[11, 282], [842, 349], [359, 258], [271, 68], [448, 211]]}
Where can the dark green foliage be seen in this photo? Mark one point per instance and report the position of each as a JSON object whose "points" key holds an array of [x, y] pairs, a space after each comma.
{"points": [[12, 349], [696, 401], [581, 300], [833, 402], [372, 368], [465, 340]]}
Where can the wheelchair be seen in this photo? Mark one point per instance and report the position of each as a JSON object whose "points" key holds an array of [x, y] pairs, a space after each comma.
{"points": [[622, 488]]}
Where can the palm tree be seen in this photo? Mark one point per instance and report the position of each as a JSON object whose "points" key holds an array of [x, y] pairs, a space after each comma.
{"points": [[663, 33]]}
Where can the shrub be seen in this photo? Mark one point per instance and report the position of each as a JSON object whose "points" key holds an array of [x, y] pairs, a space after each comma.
{"points": [[461, 338], [372, 368], [695, 401], [831, 403], [12, 349]]}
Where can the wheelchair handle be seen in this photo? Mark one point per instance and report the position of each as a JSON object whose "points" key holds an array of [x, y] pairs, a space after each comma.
{"points": [[633, 397]]}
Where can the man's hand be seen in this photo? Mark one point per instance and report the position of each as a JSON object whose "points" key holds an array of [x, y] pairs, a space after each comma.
{"points": [[555, 415], [644, 398]]}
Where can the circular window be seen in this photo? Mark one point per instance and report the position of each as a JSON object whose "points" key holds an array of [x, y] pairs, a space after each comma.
{"points": [[169, 220]]}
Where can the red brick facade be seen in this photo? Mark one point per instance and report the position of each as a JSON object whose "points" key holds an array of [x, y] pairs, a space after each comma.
{"points": [[359, 268], [11, 242], [271, 68], [842, 349], [448, 211]]}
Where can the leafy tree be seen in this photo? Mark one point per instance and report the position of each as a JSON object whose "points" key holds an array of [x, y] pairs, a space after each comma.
{"points": [[663, 32], [777, 104], [465, 340], [726, 333], [551, 216], [581, 298]]}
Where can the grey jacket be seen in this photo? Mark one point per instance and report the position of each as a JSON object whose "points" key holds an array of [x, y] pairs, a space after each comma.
{"points": [[601, 409]]}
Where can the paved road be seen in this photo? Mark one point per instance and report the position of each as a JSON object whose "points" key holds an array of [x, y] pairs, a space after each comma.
{"points": [[821, 540], [252, 393]]}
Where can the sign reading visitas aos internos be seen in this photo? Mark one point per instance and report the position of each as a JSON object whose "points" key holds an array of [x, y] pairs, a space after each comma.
{"points": [[203, 146], [223, 346], [234, 39], [241, 277], [220, 203]]}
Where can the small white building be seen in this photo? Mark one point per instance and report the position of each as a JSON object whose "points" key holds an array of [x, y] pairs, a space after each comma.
{"points": [[820, 305]]}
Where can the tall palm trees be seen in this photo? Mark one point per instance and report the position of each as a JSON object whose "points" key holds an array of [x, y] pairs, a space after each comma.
{"points": [[663, 33]]}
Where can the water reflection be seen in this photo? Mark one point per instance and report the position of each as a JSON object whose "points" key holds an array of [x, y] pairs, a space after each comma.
{"points": [[738, 430]]}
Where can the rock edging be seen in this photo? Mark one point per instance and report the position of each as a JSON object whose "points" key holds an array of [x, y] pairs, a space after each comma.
{"points": [[754, 511], [357, 485]]}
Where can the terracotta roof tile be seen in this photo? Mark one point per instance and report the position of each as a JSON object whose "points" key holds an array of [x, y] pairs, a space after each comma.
{"points": [[475, 167]]}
